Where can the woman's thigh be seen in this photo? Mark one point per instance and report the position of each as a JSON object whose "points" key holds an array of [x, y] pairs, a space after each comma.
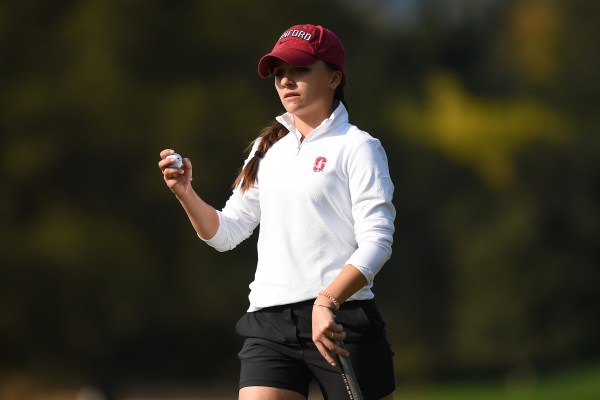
{"points": [[268, 393]]}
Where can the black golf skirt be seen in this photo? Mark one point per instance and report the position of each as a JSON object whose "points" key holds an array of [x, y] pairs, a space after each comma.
{"points": [[278, 350]]}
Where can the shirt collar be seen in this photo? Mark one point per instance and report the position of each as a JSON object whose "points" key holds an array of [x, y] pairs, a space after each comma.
{"points": [[339, 116]]}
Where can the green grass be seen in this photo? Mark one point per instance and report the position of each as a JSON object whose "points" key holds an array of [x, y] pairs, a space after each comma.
{"points": [[580, 384], [573, 384]]}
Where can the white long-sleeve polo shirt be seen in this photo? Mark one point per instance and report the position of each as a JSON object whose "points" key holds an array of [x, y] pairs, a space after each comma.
{"points": [[322, 203]]}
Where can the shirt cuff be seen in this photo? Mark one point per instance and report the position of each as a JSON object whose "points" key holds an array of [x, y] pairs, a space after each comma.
{"points": [[368, 259], [366, 272], [219, 240]]}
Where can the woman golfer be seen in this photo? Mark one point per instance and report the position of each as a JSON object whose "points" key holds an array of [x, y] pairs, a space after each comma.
{"points": [[321, 191]]}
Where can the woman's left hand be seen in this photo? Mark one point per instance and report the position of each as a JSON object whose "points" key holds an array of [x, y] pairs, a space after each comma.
{"points": [[325, 333]]}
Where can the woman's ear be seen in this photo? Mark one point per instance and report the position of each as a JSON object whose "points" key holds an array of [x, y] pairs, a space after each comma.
{"points": [[336, 78]]}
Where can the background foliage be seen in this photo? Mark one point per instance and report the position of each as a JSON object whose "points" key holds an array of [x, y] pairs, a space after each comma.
{"points": [[488, 113]]}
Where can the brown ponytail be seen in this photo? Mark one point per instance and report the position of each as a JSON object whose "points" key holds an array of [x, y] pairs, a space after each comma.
{"points": [[267, 137]]}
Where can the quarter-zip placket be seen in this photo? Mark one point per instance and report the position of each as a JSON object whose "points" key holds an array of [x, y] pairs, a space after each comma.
{"points": [[299, 145], [315, 133]]}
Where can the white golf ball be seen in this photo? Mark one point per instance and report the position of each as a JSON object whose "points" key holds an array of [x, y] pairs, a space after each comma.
{"points": [[177, 161]]}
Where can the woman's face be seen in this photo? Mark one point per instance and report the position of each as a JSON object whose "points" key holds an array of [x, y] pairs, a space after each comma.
{"points": [[306, 91]]}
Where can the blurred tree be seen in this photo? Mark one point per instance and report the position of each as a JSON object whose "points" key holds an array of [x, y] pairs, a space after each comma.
{"points": [[516, 274]]}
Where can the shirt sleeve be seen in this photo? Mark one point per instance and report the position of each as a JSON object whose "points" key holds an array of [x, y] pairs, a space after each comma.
{"points": [[371, 191], [238, 219]]}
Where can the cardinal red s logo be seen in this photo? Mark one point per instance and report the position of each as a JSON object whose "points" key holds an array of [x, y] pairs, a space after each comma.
{"points": [[319, 164]]}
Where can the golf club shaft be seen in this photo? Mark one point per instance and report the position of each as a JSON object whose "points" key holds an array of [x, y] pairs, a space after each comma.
{"points": [[349, 376]]}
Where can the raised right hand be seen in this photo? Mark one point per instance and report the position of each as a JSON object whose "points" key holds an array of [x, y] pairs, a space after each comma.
{"points": [[179, 180]]}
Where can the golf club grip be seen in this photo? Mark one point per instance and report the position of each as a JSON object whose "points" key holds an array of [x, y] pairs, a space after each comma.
{"points": [[349, 376]]}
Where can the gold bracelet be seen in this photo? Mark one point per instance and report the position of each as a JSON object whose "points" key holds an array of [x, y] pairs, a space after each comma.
{"points": [[336, 303], [321, 305]]}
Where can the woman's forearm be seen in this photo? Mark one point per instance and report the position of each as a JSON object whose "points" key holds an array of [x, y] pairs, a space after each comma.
{"points": [[349, 281], [203, 216]]}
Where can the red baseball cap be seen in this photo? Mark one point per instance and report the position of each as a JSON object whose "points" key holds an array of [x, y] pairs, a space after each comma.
{"points": [[302, 45]]}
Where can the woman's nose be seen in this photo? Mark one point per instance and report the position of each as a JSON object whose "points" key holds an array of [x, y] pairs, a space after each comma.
{"points": [[285, 80]]}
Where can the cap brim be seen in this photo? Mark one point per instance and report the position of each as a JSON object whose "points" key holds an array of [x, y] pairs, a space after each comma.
{"points": [[295, 57]]}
